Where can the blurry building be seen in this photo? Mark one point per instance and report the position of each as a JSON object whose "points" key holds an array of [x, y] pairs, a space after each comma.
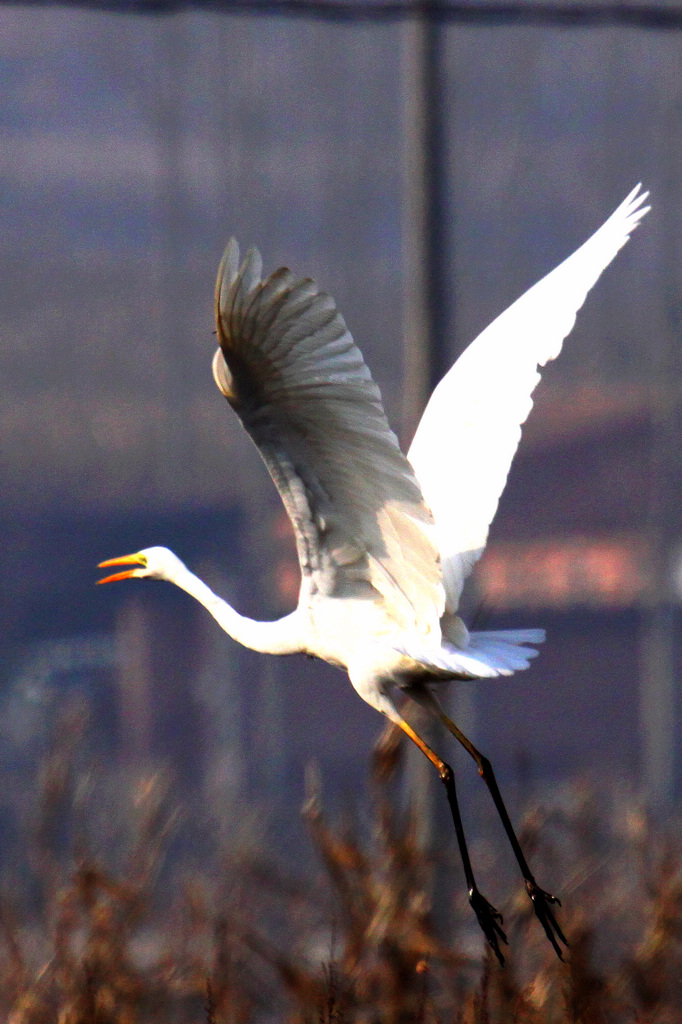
{"points": [[131, 149]]}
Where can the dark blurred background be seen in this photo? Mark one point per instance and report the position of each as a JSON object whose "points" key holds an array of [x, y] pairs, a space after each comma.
{"points": [[133, 144]]}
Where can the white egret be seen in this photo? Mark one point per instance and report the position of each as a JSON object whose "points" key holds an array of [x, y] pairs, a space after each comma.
{"points": [[386, 542]]}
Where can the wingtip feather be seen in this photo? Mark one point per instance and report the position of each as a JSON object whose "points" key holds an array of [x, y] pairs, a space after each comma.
{"points": [[227, 271], [631, 211]]}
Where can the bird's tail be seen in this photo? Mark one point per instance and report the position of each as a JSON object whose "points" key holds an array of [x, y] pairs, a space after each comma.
{"points": [[503, 651], [482, 655]]}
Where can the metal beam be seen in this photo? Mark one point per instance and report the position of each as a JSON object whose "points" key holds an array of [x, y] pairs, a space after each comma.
{"points": [[653, 17]]}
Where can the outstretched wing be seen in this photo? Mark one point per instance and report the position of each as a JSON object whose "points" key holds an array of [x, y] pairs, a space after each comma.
{"points": [[471, 427], [288, 366]]}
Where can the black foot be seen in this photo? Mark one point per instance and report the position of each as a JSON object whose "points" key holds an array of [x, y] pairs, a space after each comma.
{"points": [[541, 905], [490, 921]]}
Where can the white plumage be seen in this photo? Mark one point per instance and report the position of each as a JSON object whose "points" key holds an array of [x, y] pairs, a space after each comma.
{"points": [[479, 406], [385, 544]]}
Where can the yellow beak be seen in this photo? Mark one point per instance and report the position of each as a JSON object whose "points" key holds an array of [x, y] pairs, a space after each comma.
{"points": [[136, 559]]}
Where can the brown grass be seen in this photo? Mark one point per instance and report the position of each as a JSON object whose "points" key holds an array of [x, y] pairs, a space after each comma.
{"points": [[243, 941]]}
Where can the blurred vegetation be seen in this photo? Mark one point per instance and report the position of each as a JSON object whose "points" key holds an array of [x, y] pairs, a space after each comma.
{"points": [[105, 920]]}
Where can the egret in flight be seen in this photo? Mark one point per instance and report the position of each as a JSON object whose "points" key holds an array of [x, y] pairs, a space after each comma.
{"points": [[385, 542]]}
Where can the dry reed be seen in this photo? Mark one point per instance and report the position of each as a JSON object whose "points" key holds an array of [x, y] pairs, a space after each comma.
{"points": [[243, 941]]}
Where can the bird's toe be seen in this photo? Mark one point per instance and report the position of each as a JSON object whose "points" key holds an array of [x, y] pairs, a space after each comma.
{"points": [[490, 921], [542, 902]]}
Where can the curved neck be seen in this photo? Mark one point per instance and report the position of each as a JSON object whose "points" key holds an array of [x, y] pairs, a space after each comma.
{"points": [[283, 636]]}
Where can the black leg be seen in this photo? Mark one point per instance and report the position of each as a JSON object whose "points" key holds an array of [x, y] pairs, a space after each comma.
{"points": [[488, 917], [542, 901]]}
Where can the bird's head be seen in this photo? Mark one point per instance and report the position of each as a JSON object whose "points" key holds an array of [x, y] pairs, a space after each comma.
{"points": [[152, 563]]}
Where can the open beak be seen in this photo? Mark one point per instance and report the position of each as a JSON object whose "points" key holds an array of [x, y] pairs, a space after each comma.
{"points": [[136, 559]]}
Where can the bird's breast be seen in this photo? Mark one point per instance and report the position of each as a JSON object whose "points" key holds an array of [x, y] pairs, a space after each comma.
{"points": [[340, 627]]}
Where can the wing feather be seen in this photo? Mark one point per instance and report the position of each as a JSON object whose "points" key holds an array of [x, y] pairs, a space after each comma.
{"points": [[291, 370], [476, 412]]}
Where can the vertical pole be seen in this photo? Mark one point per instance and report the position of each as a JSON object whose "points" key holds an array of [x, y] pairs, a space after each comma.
{"points": [[135, 683], [273, 732], [175, 461], [424, 347], [658, 715], [657, 677], [657, 695], [657, 673], [425, 351], [418, 326], [218, 691]]}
